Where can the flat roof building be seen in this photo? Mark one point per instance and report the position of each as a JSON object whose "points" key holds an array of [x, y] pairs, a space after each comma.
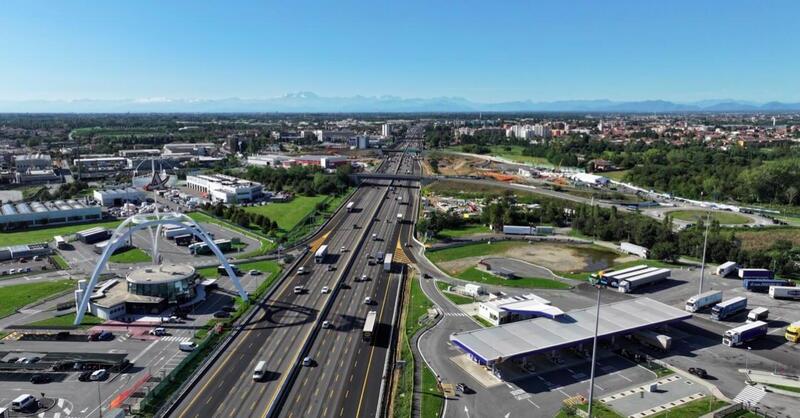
{"points": [[517, 308], [226, 189], [522, 339], [99, 167], [204, 148], [267, 160], [26, 215], [117, 197]]}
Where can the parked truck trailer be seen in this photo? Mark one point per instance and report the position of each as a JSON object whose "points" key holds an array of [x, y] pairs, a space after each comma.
{"points": [[630, 248], [755, 274], [703, 300], [763, 285], [726, 268], [518, 230], [630, 284], [728, 308], [745, 333], [784, 292]]}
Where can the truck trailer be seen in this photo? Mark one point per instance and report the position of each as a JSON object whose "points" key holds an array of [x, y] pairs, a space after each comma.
{"points": [[321, 253], [758, 314], [630, 284], [742, 334], [518, 230], [729, 307], [630, 248], [703, 300], [755, 274], [653, 339], [763, 285], [784, 292], [726, 268], [350, 206], [608, 278], [387, 262]]}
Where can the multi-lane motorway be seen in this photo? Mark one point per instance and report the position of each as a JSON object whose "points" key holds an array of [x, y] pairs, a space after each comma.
{"points": [[346, 373]]}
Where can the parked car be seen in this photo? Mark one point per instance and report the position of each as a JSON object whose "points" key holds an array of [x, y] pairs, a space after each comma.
{"points": [[85, 376], [40, 378], [187, 346], [697, 371], [100, 374], [159, 332]]}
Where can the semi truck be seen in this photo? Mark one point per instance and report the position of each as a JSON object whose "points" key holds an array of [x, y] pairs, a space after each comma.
{"points": [[755, 274], [368, 332], [175, 231], [784, 292], [350, 206], [763, 285], [653, 339], [387, 262], [793, 332], [703, 300], [745, 333], [726, 268], [630, 248], [319, 256], [184, 240], [199, 248], [729, 307], [630, 284], [608, 278], [518, 230], [757, 314], [399, 218]]}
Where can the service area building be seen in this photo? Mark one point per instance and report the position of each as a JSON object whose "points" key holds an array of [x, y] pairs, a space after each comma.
{"points": [[519, 340], [517, 308], [226, 189]]}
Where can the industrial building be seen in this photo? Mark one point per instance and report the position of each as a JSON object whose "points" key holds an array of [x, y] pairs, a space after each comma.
{"points": [[226, 189], [517, 308], [205, 148], [324, 161], [117, 197], [26, 215], [267, 160], [523, 339], [147, 290], [35, 168], [99, 167], [24, 251]]}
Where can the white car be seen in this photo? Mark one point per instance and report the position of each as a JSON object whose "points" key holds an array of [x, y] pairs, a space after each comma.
{"points": [[326, 324], [301, 270], [254, 272], [100, 374], [187, 346], [326, 289], [158, 331], [343, 249]]}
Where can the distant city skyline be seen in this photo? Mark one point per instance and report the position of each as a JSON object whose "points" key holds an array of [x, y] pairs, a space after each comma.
{"points": [[680, 51]]}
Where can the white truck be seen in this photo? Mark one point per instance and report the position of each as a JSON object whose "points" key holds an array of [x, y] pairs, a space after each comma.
{"points": [[726, 268], [399, 218], [703, 300], [319, 256], [653, 339], [784, 292], [758, 314], [351, 206], [742, 334], [630, 248], [630, 284], [387, 262]]}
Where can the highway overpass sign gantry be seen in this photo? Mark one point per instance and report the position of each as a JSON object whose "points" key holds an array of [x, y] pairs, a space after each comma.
{"points": [[152, 223]]}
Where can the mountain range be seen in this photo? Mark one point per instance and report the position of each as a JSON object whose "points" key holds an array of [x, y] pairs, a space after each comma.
{"points": [[313, 103]]}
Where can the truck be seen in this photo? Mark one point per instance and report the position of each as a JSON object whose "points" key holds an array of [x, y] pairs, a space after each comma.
{"points": [[784, 292], [173, 231], [757, 314], [726, 268], [763, 285], [184, 240], [730, 307], [518, 230], [350, 206], [608, 278], [653, 339], [792, 333], [322, 252], [632, 283], [199, 248], [703, 300], [368, 332], [744, 333], [387, 262], [399, 218], [630, 248], [755, 274]]}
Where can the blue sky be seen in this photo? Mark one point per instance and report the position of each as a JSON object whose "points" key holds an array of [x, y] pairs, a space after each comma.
{"points": [[484, 51]]}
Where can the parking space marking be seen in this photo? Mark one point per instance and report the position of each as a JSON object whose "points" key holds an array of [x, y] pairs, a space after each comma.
{"points": [[634, 391], [534, 404], [667, 406], [622, 376]]}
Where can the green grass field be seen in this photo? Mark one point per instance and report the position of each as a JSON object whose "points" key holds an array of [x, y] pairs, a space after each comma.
{"points": [[16, 296], [131, 255], [60, 262], [265, 244], [484, 323], [615, 175], [472, 274], [725, 218], [693, 409], [471, 250], [463, 231], [266, 267], [30, 236], [289, 214], [67, 320]]}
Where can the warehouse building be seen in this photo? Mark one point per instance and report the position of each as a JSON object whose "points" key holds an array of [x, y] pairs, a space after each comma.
{"points": [[226, 189], [99, 167], [34, 168], [24, 251], [26, 215], [267, 160], [117, 197], [205, 148]]}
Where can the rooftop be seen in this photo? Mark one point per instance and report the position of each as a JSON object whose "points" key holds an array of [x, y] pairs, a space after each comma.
{"points": [[163, 273], [539, 335]]}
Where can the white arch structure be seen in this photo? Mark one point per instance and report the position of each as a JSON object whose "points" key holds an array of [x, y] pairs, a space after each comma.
{"points": [[152, 222]]}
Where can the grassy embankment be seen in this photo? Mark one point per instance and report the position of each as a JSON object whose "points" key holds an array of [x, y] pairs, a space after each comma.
{"points": [[16, 296], [46, 234], [696, 215]]}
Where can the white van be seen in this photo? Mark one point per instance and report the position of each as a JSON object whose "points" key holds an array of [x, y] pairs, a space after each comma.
{"points": [[187, 346], [22, 402], [298, 290], [260, 371], [367, 300]]}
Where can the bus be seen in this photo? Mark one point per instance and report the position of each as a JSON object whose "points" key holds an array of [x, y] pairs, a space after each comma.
{"points": [[369, 326]]}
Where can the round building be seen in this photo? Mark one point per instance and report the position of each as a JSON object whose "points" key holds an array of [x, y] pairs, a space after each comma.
{"points": [[174, 283]]}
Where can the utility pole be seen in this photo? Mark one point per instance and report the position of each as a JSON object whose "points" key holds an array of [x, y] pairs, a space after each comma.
{"points": [[594, 347], [705, 243]]}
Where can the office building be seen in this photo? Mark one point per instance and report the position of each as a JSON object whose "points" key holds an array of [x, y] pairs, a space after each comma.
{"points": [[226, 189]]}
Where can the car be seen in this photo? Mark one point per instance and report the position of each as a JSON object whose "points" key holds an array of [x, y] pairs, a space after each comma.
{"points": [[463, 388], [367, 300], [105, 336], [222, 314], [342, 250], [158, 332], [326, 324], [699, 372], [31, 360], [40, 378], [330, 267], [99, 374], [426, 276], [12, 271], [364, 278], [254, 272], [85, 376], [21, 360], [301, 270], [299, 290], [307, 361], [12, 359], [326, 289]]}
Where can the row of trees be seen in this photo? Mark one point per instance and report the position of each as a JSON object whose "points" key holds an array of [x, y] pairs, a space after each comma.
{"points": [[240, 217], [306, 180]]}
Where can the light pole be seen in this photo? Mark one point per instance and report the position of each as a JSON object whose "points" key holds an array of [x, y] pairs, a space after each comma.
{"points": [[746, 361], [99, 401], [703, 263], [596, 284]]}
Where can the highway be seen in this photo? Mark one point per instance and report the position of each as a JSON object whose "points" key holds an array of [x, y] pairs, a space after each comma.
{"points": [[284, 324], [346, 379]]}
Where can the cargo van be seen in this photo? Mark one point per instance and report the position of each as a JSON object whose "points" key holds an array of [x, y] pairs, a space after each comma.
{"points": [[23, 402], [260, 371], [187, 346]]}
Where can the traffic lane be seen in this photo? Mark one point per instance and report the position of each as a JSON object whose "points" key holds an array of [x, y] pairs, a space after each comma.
{"points": [[350, 311]]}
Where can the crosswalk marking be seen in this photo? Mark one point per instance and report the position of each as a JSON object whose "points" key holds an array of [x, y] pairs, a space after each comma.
{"points": [[750, 395], [175, 338], [456, 314]]}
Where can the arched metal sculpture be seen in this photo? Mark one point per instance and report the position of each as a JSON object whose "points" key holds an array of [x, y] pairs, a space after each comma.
{"points": [[152, 222]]}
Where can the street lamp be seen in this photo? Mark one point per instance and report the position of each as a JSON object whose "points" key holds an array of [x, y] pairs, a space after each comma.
{"points": [[746, 362], [596, 283]]}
